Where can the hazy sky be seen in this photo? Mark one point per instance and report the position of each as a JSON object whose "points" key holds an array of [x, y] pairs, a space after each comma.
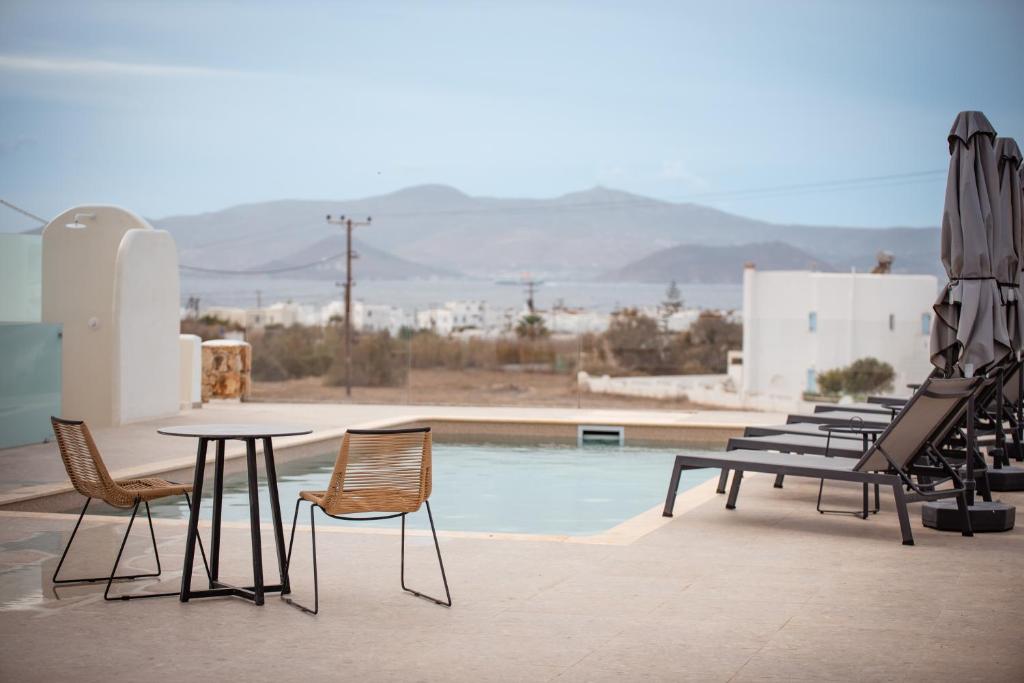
{"points": [[183, 107]]}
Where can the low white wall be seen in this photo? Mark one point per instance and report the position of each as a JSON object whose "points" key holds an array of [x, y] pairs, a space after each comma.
{"points": [[190, 371], [711, 390]]}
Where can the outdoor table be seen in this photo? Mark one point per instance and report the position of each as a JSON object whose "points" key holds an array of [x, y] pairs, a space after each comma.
{"points": [[869, 434], [248, 433]]}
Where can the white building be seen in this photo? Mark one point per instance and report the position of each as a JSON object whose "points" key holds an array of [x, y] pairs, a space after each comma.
{"points": [[797, 324], [575, 321], [378, 318], [680, 321], [467, 314], [438, 320]]}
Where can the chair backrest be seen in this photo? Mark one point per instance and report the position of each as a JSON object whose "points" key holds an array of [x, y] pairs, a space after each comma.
{"points": [[84, 465], [929, 414], [381, 470]]}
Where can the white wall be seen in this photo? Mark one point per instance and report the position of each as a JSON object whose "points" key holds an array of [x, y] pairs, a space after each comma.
{"points": [[852, 313], [103, 304], [190, 371], [146, 312]]}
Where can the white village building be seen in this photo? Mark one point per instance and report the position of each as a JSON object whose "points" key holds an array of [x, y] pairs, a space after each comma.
{"points": [[798, 324]]}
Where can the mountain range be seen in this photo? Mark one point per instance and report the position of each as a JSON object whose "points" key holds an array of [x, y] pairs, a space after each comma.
{"points": [[438, 231]]}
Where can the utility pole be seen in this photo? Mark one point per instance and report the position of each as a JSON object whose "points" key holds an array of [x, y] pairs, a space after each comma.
{"points": [[349, 224], [531, 287]]}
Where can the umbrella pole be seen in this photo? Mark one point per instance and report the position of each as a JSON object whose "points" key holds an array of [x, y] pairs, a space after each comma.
{"points": [[1018, 428], [969, 483], [999, 452]]}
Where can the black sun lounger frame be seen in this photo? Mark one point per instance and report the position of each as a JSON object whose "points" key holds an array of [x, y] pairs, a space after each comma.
{"points": [[877, 466]]}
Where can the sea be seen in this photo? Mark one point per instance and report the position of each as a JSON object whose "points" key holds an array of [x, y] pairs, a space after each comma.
{"points": [[250, 291]]}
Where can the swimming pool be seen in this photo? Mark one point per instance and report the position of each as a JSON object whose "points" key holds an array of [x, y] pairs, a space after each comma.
{"points": [[534, 489]]}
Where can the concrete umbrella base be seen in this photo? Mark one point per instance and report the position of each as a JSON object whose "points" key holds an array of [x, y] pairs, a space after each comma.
{"points": [[1006, 478], [944, 516]]}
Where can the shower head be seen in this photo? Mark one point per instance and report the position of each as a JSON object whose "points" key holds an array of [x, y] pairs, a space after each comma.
{"points": [[77, 224]]}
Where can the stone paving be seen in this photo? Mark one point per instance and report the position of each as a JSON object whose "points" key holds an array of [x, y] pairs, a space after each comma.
{"points": [[769, 591]]}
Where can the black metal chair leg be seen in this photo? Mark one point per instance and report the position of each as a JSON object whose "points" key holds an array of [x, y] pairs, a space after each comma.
{"points": [[437, 548], [120, 551], [67, 547], [734, 490], [723, 479], [903, 514], [288, 561], [779, 478], [673, 486], [96, 579]]}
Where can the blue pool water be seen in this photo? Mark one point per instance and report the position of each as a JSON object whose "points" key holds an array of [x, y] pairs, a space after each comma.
{"points": [[535, 489]]}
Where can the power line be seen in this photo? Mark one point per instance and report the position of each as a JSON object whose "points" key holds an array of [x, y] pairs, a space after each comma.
{"points": [[268, 271], [778, 190], [23, 212], [849, 183]]}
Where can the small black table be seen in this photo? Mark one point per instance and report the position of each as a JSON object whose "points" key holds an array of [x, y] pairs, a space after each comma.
{"points": [[869, 435], [247, 433]]}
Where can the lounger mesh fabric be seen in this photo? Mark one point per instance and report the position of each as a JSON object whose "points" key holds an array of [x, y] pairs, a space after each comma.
{"points": [[89, 474], [378, 472], [925, 414]]}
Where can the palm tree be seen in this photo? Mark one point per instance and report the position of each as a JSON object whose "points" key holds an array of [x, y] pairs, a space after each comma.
{"points": [[531, 326]]}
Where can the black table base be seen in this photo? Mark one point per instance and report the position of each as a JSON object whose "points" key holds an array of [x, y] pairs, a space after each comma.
{"points": [[217, 588]]}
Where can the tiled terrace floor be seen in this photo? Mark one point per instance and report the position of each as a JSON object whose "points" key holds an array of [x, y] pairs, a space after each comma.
{"points": [[770, 591]]}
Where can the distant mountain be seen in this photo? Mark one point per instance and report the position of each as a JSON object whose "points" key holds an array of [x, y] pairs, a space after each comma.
{"points": [[577, 235], [371, 263], [714, 265]]}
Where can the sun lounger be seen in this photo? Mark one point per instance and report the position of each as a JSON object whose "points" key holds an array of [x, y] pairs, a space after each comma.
{"points": [[841, 418], [891, 461], [875, 408], [801, 428], [799, 443]]}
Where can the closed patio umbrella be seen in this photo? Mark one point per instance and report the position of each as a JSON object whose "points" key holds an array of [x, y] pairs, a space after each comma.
{"points": [[1007, 253], [1011, 206], [969, 333], [1009, 246]]}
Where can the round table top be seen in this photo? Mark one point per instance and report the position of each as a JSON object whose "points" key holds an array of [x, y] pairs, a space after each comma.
{"points": [[234, 431]]}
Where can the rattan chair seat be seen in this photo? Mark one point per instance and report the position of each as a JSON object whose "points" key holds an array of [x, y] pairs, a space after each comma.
{"points": [[152, 488], [383, 500]]}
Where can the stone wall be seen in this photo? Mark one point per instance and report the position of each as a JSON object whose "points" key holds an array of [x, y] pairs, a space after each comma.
{"points": [[227, 369]]}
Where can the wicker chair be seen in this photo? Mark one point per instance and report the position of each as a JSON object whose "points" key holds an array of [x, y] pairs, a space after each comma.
{"points": [[383, 472], [90, 477]]}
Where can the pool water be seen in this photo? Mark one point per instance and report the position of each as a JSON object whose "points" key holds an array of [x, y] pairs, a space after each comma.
{"points": [[535, 489]]}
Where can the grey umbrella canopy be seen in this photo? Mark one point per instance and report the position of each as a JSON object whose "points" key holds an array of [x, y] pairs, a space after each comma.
{"points": [[1010, 238], [969, 333]]}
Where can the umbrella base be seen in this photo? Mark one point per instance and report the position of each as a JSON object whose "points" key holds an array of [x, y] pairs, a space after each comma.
{"points": [[1013, 451], [944, 516], [1006, 478]]}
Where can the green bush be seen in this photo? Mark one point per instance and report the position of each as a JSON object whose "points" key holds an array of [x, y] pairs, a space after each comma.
{"points": [[280, 353], [378, 360], [636, 341], [702, 349], [862, 376]]}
